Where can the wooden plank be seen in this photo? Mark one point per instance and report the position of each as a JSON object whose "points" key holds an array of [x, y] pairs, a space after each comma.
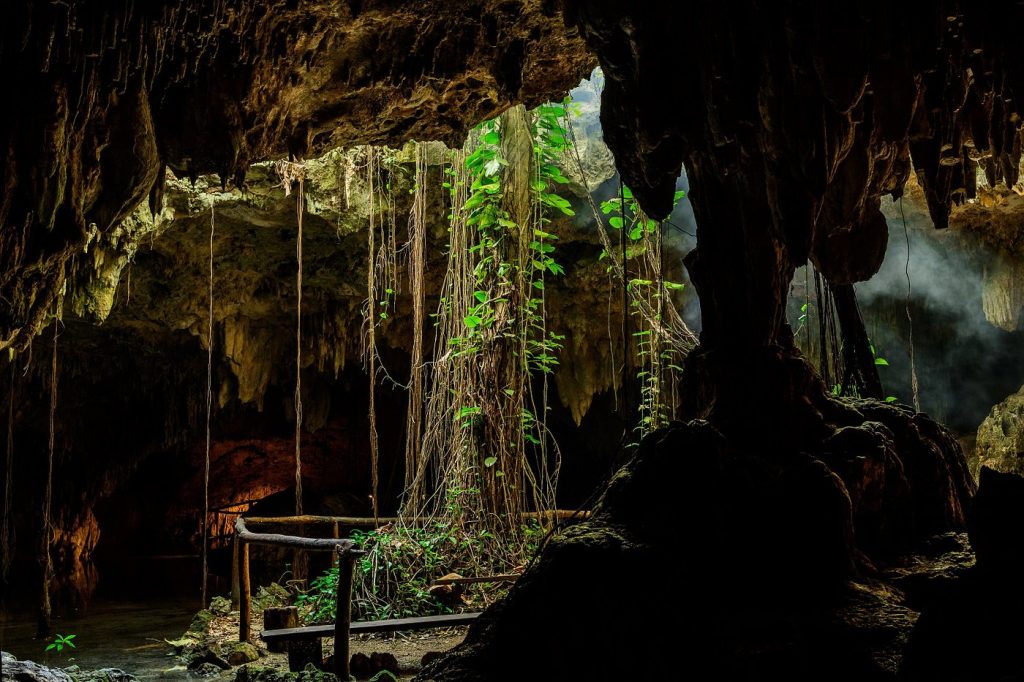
{"points": [[311, 544], [423, 623], [504, 578]]}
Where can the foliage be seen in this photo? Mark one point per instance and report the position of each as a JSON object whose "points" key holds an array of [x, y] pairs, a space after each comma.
{"points": [[487, 408], [659, 359], [60, 642], [392, 578]]}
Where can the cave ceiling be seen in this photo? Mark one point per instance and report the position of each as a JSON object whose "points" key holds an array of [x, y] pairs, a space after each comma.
{"points": [[113, 94], [820, 109]]}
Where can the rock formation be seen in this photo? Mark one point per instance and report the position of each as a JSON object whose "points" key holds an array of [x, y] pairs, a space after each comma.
{"points": [[1000, 442]]}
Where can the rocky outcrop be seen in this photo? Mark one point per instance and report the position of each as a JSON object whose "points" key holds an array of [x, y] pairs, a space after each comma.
{"points": [[30, 671], [14, 670], [1000, 441], [754, 586]]}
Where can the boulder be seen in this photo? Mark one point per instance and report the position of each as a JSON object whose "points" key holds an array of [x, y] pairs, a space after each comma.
{"points": [[14, 670], [202, 655], [30, 671], [240, 653]]}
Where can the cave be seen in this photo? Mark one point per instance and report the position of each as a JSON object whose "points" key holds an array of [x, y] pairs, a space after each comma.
{"points": [[639, 340]]}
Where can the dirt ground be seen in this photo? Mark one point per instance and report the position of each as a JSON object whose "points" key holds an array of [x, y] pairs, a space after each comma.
{"points": [[409, 648]]}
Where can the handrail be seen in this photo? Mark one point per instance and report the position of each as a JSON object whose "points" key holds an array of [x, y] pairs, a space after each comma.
{"points": [[309, 519], [346, 552], [311, 544]]}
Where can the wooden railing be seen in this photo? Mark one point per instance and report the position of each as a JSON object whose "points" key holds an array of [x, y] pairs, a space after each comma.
{"points": [[346, 553], [241, 588]]}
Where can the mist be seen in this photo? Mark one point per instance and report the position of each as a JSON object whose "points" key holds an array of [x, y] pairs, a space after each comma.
{"points": [[964, 363]]}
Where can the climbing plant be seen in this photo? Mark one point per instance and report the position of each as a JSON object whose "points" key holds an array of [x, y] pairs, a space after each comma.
{"points": [[658, 352], [491, 325], [660, 337]]}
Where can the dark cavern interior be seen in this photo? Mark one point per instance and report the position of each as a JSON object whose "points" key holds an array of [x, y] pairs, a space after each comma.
{"points": [[512, 340]]}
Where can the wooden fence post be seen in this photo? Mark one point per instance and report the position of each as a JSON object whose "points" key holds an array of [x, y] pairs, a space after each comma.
{"points": [[235, 589], [343, 618], [245, 594]]}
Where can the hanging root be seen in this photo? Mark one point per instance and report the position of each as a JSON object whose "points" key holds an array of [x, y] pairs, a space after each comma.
{"points": [[370, 350], [7, 530], [209, 410], [295, 173], [417, 254], [46, 537]]}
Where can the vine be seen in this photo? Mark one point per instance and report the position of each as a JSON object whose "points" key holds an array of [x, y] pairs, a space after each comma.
{"points": [[7, 530], [660, 337], [491, 328]]}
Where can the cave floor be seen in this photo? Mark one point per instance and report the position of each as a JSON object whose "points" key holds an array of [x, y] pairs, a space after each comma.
{"points": [[407, 648]]}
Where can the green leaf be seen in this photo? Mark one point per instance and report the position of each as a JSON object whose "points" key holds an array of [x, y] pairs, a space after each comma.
{"points": [[890, 399], [472, 321], [492, 137], [480, 296], [616, 222], [490, 461], [881, 362]]}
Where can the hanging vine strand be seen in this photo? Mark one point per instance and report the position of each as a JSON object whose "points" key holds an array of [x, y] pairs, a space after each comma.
{"points": [[914, 386], [679, 335], [209, 411], [7, 531], [295, 173], [46, 537], [416, 250], [371, 326]]}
